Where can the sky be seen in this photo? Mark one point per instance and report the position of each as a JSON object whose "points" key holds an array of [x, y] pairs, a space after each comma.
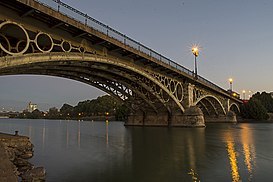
{"points": [[235, 38]]}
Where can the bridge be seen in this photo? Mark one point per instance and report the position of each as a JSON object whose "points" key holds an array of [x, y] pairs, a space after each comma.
{"points": [[49, 37]]}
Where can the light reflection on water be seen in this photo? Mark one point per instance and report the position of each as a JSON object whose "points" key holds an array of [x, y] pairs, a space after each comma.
{"points": [[194, 175], [97, 151], [233, 161], [248, 151]]}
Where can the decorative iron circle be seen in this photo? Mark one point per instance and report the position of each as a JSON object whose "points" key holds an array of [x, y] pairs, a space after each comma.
{"points": [[18, 45], [24, 32], [66, 46], [41, 41], [81, 49], [172, 86], [179, 92]]}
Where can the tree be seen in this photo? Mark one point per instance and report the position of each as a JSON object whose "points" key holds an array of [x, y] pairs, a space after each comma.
{"points": [[254, 109], [53, 113], [121, 112], [36, 114], [67, 110], [265, 99]]}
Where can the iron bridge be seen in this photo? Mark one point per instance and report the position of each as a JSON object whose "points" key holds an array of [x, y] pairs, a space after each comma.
{"points": [[49, 37]]}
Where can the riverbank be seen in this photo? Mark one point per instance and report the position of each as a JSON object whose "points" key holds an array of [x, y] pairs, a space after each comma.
{"points": [[269, 120], [15, 151], [85, 118]]}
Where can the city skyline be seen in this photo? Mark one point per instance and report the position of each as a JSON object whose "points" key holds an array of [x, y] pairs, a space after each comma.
{"points": [[234, 36]]}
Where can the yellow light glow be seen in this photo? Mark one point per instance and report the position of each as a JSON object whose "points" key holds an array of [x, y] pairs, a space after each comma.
{"points": [[194, 175], [247, 155], [195, 50], [244, 91], [249, 151], [230, 80], [234, 94], [233, 161]]}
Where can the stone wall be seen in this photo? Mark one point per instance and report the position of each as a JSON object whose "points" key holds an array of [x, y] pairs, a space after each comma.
{"points": [[15, 151], [8, 172]]}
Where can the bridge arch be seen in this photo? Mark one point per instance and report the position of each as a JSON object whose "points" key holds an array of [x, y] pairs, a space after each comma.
{"points": [[210, 105], [35, 63], [235, 108]]}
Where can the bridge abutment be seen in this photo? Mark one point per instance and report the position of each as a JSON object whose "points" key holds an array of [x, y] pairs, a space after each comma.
{"points": [[192, 117], [147, 119], [229, 118]]}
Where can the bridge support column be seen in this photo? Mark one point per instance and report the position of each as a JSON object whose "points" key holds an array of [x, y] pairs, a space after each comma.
{"points": [[192, 117], [148, 119], [188, 100], [229, 118], [135, 119]]}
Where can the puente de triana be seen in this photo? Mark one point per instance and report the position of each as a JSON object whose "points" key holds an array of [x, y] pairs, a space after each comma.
{"points": [[49, 37]]}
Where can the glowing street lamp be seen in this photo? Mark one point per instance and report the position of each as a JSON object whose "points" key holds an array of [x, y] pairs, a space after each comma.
{"points": [[195, 52], [230, 83]]}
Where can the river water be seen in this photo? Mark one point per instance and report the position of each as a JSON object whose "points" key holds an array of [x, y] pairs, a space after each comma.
{"points": [[96, 151]]}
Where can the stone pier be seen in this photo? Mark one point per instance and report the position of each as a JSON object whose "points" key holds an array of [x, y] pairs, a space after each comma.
{"points": [[229, 118], [192, 117]]}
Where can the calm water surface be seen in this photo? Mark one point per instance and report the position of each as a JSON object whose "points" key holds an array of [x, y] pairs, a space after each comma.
{"points": [[95, 151]]}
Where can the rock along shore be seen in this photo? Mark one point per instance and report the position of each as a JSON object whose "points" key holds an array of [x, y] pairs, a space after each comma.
{"points": [[15, 151]]}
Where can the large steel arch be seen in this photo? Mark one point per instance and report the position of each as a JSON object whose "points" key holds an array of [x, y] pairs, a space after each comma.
{"points": [[27, 59], [214, 103], [72, 77], [104, 82]]}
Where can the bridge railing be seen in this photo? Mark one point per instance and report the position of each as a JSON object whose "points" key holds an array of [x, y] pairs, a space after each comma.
{"points": [[77, 15]]}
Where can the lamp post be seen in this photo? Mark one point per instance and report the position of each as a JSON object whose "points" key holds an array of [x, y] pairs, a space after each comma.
{"points": [[244, 94], [230, 83], [250, 94], [195, 52], [106, 117]]}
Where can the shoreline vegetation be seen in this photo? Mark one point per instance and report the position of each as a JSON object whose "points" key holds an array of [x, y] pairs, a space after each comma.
{"points": [[258, 108], [99, 109]]}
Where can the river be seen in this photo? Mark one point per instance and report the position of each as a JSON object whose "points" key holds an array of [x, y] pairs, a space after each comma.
{"points": [[96, 151]]}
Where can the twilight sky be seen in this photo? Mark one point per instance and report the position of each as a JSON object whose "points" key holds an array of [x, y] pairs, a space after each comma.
{"points": [[236, 39]]}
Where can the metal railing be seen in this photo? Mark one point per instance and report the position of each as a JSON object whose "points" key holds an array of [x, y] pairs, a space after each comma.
{"points": [[81, 17]]}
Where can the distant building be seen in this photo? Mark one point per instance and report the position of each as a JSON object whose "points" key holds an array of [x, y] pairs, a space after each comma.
{"points": [[31, 107]]}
